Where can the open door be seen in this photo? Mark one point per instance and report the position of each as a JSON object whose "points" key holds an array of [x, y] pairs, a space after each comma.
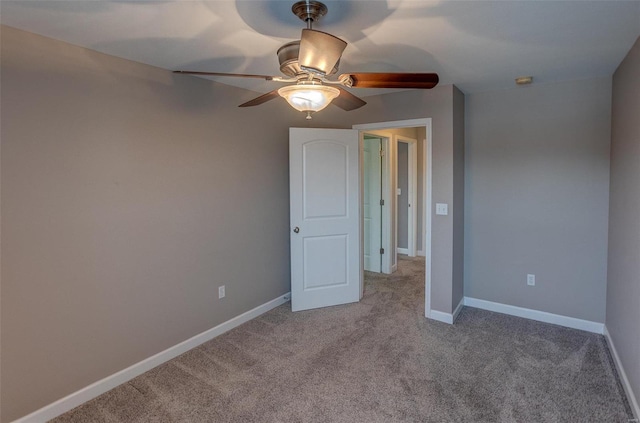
{"points": [[372, 202], [325, 217]]}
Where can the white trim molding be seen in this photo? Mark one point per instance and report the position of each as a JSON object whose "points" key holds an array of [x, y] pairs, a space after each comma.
{"points": [[404, 251], [408, 123], [443, 317], [420, 253], [90, 392], [633, 402], [540, 316], [426, 228], [458, 309]]}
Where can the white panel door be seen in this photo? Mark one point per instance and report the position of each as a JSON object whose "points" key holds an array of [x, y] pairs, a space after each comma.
{"points": [[325, 217], [372, 196]]}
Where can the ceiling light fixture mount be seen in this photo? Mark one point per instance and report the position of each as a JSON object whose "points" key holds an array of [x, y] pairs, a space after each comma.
{"points": [[309, 11]]}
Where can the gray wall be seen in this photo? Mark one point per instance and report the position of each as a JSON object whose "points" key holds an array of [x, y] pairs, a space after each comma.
{"points": [[128, 196], [457, 208], [623, 286], [536, 196], [403, 198]]}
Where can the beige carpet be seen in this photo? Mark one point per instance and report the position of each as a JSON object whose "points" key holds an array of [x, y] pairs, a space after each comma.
{"points": [[377, 361]]}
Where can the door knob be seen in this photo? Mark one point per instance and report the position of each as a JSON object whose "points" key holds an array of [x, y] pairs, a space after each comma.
{"points": [[296, 229]]}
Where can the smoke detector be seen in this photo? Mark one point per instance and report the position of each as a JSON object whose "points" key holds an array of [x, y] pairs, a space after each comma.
{"points": [[524, 80]]}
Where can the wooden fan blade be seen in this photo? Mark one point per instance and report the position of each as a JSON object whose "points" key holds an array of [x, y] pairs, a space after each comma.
{"points": [[235, 75], [319, 51], [262, 99], [347, 101], [393, 80]]}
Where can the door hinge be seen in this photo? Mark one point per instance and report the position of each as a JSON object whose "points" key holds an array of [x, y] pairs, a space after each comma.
{"points": [[381, 250], [382, 202], [381, 153]]}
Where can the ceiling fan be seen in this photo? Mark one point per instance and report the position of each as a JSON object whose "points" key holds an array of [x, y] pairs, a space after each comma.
{"points": [[309, 63]]}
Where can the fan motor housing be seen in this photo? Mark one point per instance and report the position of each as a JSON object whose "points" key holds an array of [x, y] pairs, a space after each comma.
{"points": [[288, 58]]}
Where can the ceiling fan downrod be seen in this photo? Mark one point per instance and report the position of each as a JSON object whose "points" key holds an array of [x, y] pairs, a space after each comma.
{"points": [[309, 11]]}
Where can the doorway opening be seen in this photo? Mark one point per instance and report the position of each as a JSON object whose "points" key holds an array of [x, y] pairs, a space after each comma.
{"points": [[415, 135]]}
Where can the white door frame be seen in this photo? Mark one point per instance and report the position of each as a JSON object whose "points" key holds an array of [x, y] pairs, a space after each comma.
{"points": [[387, 259], [428, 191], [412, 212]]}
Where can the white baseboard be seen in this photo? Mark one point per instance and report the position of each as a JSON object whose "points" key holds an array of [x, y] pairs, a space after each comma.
{"points": [[540, 316], [394, 267], [420, 253], [447, 317], [404, 251], [441, 316], [458, 309], [623, 375], [87, 393]]}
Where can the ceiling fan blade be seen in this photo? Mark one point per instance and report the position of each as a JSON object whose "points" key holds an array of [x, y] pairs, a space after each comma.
{"points": [[319, 51], [392, 80], [235, 75], [347, 101], [262, 99]]}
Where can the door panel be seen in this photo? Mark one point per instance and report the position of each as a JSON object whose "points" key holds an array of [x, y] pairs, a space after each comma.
{"points": [[319, 249], [325, 179], [324, 206]]}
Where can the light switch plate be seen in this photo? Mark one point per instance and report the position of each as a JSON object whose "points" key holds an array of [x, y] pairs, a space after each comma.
{"points": [[442, 209], [398, 191]]}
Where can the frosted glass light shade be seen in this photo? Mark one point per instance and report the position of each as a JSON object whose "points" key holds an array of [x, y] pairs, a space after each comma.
{"points": [[308, 97]]}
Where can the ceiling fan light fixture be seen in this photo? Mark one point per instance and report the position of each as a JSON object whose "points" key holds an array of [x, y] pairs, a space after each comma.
{"points": [[312, 60], [308, 97]]}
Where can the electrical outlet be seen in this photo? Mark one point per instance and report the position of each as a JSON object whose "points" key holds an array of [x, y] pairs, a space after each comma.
{"points": [[221, 292], [531, 280]]}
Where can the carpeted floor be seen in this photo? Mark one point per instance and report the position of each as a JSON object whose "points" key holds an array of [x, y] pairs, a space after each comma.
{"points": [[377, 361]]}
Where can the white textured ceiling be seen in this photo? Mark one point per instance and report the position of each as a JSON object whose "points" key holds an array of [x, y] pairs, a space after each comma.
{"points": [[477, 45]]}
